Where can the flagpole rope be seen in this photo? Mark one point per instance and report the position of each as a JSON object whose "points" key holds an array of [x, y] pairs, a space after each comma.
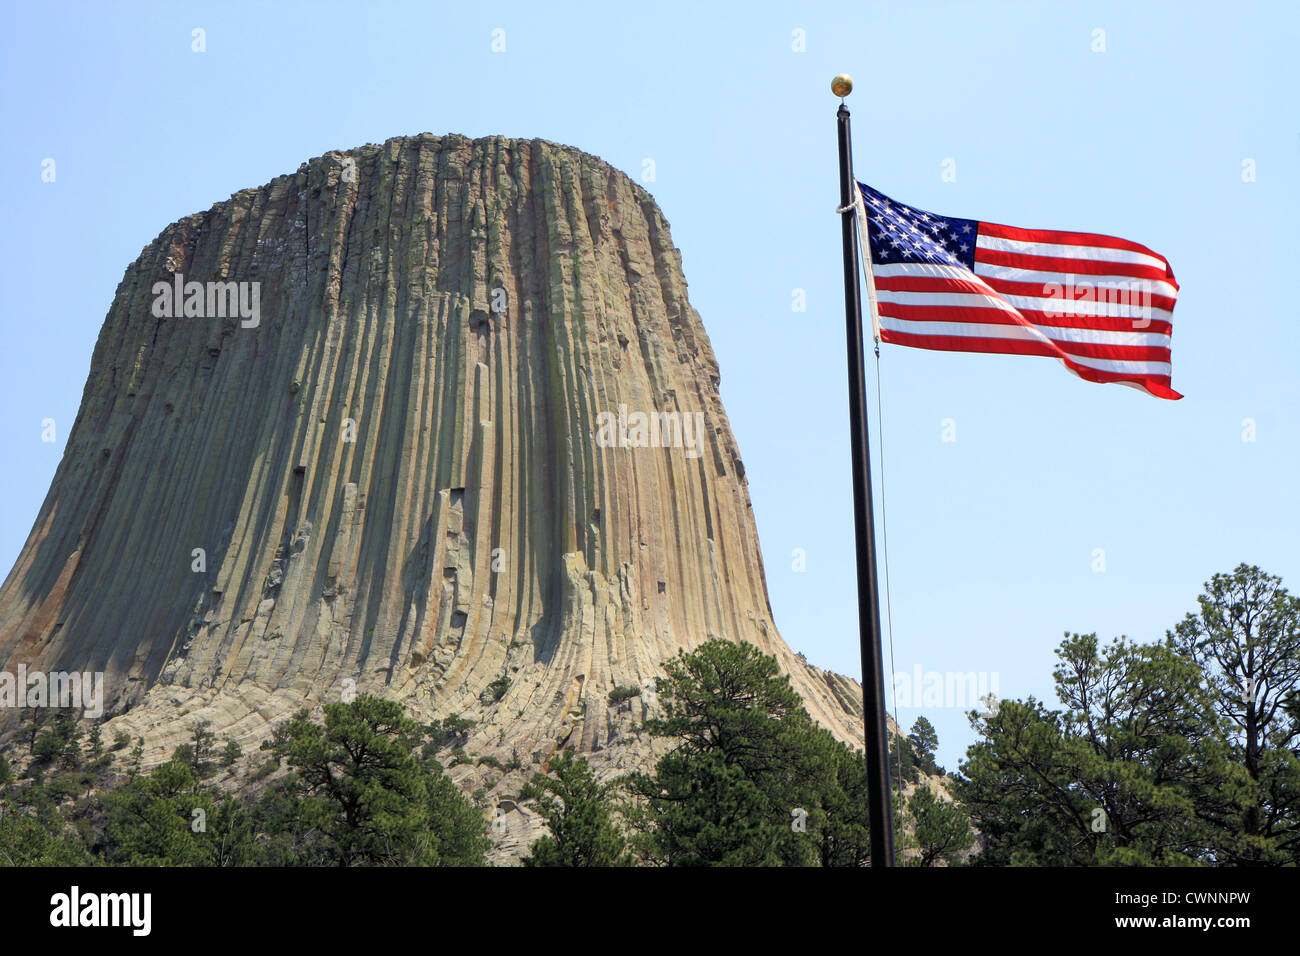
{"points": [[884, 548], [864, 238], [884, 542]]}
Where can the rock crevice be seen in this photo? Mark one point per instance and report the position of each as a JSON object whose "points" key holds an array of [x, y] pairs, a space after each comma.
{"points": [[395, 477]]}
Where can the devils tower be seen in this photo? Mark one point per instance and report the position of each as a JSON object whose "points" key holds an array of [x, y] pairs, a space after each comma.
{"points": [[466, 450]]}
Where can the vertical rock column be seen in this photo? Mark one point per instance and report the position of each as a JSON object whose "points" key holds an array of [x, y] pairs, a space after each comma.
{"points": [[409, 478]]}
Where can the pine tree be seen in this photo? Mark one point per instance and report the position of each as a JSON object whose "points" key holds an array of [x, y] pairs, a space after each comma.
{"points": [[925, 741], [576, 808], [726, 794], [366, 796], [751, 781], [1245, 638], [940, 830], [230, 753], [1114, 777]]}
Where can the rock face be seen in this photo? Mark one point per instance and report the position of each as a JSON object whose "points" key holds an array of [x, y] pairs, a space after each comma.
{"points": [[469, 453]]}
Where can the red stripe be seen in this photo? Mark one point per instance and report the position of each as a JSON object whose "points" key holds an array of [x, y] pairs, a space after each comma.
{"points": [[1119, 353], [1021, 260], [928, 283], [1012, 287], [1102, 323], [971, 313], [1157, 385], [974, 286], [1058, 237]]}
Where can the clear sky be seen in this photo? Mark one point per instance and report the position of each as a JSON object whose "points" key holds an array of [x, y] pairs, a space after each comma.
{"points": [[993, 537]]}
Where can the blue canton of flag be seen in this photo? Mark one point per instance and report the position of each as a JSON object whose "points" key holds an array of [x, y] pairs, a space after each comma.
{"points": [[1101, 305], [901, 233]]}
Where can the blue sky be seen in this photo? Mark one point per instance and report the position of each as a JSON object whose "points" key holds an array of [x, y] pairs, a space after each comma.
{"points": [[992, 536]]}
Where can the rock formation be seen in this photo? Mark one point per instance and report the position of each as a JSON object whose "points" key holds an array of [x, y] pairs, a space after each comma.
{"points": [[469, 453]]}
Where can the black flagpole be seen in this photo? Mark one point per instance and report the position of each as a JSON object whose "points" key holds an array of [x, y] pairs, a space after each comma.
{"points": [[873, 683]]}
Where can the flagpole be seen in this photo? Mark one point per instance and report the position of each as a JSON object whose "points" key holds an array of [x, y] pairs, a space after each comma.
{"points": [[873, 684]]}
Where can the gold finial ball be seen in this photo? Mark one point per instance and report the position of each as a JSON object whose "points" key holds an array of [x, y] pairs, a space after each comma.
{"points": [[842, 85]]}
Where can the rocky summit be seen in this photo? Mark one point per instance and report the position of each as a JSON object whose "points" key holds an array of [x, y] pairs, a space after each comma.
{"points": [[433, 420]]}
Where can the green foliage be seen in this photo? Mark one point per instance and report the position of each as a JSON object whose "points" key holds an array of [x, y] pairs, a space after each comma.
{"points": [[940, 830], [58, 741], [577, 810], [455, 832], [452, 730], [95, 742], [200, 748], [924, 741], [902, 762], [1110, 780], [1183, 752], [843, 832], [265, 770], [1245, 638], [752, 781], [30, 727], [624, 692], [168, 818], [32, 839], [230, 753], [134, 759], [366, 797]]}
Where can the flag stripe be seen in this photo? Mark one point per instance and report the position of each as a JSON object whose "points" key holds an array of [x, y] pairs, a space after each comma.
{"points": [[987, 318], [895, 289], [1100, 305], [970, 296], [1079, 312], [1075, 289], [1134, 371], [995, 230], [1076, 264]]}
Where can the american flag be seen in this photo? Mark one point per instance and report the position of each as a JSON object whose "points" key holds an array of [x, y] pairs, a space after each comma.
{"points": [[1103, 306]]}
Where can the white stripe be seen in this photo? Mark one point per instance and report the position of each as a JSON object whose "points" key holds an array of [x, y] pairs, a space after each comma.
{"points": [[1065, 334], [973, 330], [955, 300], [1061, 308], [1156, 340], [928, 269], [1065, 307], [1095, 253], [1012, 274]]}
